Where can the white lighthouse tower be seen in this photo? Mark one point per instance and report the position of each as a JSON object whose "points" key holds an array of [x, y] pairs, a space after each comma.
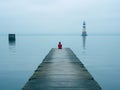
{"points": [[84, 33]]}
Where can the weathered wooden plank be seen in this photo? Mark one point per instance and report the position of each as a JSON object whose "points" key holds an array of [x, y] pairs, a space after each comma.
{"points": [[61, 70]]}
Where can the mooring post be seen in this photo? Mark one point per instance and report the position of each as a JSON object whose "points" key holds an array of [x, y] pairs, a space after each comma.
{"points": [[11, 37]]}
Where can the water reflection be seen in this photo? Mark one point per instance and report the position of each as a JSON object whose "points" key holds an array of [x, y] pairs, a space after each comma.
{"points": [[12, 44], [84, 41], [84, 45]]}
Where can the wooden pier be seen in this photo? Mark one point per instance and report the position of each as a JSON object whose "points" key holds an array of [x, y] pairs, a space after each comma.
{"points": [[61, 70]]}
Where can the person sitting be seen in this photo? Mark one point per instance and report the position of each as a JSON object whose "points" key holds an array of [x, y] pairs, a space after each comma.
{"points": [[59, 45]]}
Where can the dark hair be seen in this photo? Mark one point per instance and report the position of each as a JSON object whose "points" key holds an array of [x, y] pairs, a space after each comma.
{"points": [[59, 42]]}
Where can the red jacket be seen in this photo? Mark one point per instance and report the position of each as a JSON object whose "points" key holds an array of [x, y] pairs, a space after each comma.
{"points": [[59, 46]]}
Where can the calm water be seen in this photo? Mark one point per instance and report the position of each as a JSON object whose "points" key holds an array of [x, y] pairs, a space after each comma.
{"points": [[19, 59]]}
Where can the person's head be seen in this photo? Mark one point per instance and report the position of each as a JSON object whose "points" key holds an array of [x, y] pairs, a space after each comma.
{"points": [[59, 42]]}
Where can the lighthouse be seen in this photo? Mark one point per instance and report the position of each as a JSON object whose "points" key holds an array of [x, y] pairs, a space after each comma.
{"points": [[84, 33]]}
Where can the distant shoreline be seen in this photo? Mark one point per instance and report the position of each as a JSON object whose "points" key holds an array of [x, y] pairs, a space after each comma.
{"points": [[61, 34]]}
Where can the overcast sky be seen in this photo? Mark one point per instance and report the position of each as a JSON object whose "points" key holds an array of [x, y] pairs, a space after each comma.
{"points": [[59, 16]]}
